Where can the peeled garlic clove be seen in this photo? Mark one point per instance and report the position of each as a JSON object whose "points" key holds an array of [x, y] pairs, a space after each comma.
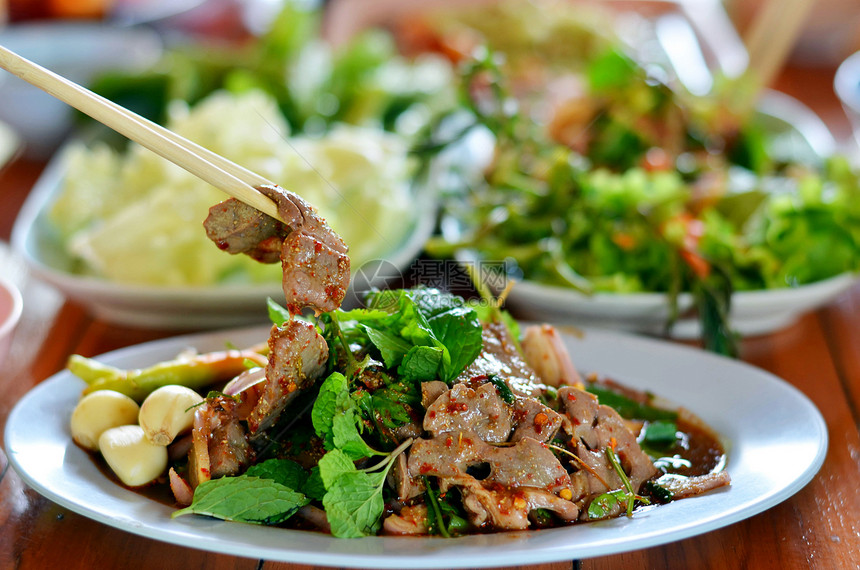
{"points": [[99, 411], [167, 412], [134, 459]]}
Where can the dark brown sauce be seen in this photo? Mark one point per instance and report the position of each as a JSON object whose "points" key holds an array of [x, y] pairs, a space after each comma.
{"points": [[703, 450], [158, 490]]}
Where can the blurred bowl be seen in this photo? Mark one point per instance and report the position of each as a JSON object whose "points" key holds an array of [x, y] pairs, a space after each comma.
{"points": [[34, 238], [77, 51], [11, 306], [846, 84]]}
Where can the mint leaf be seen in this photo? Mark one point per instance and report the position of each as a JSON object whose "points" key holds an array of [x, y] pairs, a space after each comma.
{"points": [[391, 347], [420, 363], [354, 504], [346, 437], [432, 302], [603, 505], [332, 399], [313, 486], [283, 471], [460, 331], [334, 464], [393, 404], [361, 315], [245, 499]]}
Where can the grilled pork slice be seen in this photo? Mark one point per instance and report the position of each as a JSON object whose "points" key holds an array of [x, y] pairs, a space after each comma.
{"points": [[219, 443], [528, 463], [500, 357], [314, 258], [297, 357]]}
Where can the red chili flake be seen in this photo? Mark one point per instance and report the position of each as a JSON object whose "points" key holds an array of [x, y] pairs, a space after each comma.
{"points": [[431, 414], [425, 468], [571, 397], [332, 291], [449, 441], [222, 244]]}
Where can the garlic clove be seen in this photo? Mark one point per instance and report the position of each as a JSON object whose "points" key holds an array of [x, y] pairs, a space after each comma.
{"points": [[132, 457], [167, 412], [99, 411]]}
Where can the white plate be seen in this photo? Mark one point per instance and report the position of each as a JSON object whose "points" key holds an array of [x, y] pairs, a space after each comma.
{"points": [[753, 312], [180, 307], [773, 451]]}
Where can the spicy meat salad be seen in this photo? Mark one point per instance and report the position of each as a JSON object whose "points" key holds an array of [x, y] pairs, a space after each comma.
{"points": [[420, 414]]}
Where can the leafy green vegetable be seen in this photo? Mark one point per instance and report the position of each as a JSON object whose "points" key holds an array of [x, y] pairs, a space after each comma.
{"points": [[277, 314], [503, 389], [603, 504], [657, 492], [354, 504], [287, 473], [353, 501], [660, 432], [444, 518], [335, 418], [420, 363], [246, 499]]}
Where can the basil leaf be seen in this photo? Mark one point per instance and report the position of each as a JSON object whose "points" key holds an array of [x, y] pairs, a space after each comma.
{"points": [[245, 499]]}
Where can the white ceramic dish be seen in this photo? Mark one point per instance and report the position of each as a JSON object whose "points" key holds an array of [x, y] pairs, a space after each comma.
{"points": [[180, 307], [846, 85], [798, 134], [753, 312], [773, 451]]}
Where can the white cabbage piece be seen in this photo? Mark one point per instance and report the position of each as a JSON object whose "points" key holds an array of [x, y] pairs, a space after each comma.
{"points": [[137, 218]]}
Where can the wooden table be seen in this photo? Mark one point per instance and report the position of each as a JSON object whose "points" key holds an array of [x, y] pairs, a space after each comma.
{"points": [[819, 527]]}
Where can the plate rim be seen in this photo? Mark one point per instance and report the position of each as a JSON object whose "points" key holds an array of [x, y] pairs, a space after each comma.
{"points": [[188, 532]]}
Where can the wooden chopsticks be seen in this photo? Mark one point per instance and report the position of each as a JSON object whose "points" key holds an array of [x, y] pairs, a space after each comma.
{"points": [[225, 175]]}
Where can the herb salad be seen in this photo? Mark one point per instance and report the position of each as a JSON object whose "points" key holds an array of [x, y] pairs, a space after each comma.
{"points": [[431, 415]]}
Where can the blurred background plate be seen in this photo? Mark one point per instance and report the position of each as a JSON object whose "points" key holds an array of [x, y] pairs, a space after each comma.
{"points": [[753, 312], [10, 144], [846, 84], [148, 11], [795, 133], [185, 307], [76, 50]]}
